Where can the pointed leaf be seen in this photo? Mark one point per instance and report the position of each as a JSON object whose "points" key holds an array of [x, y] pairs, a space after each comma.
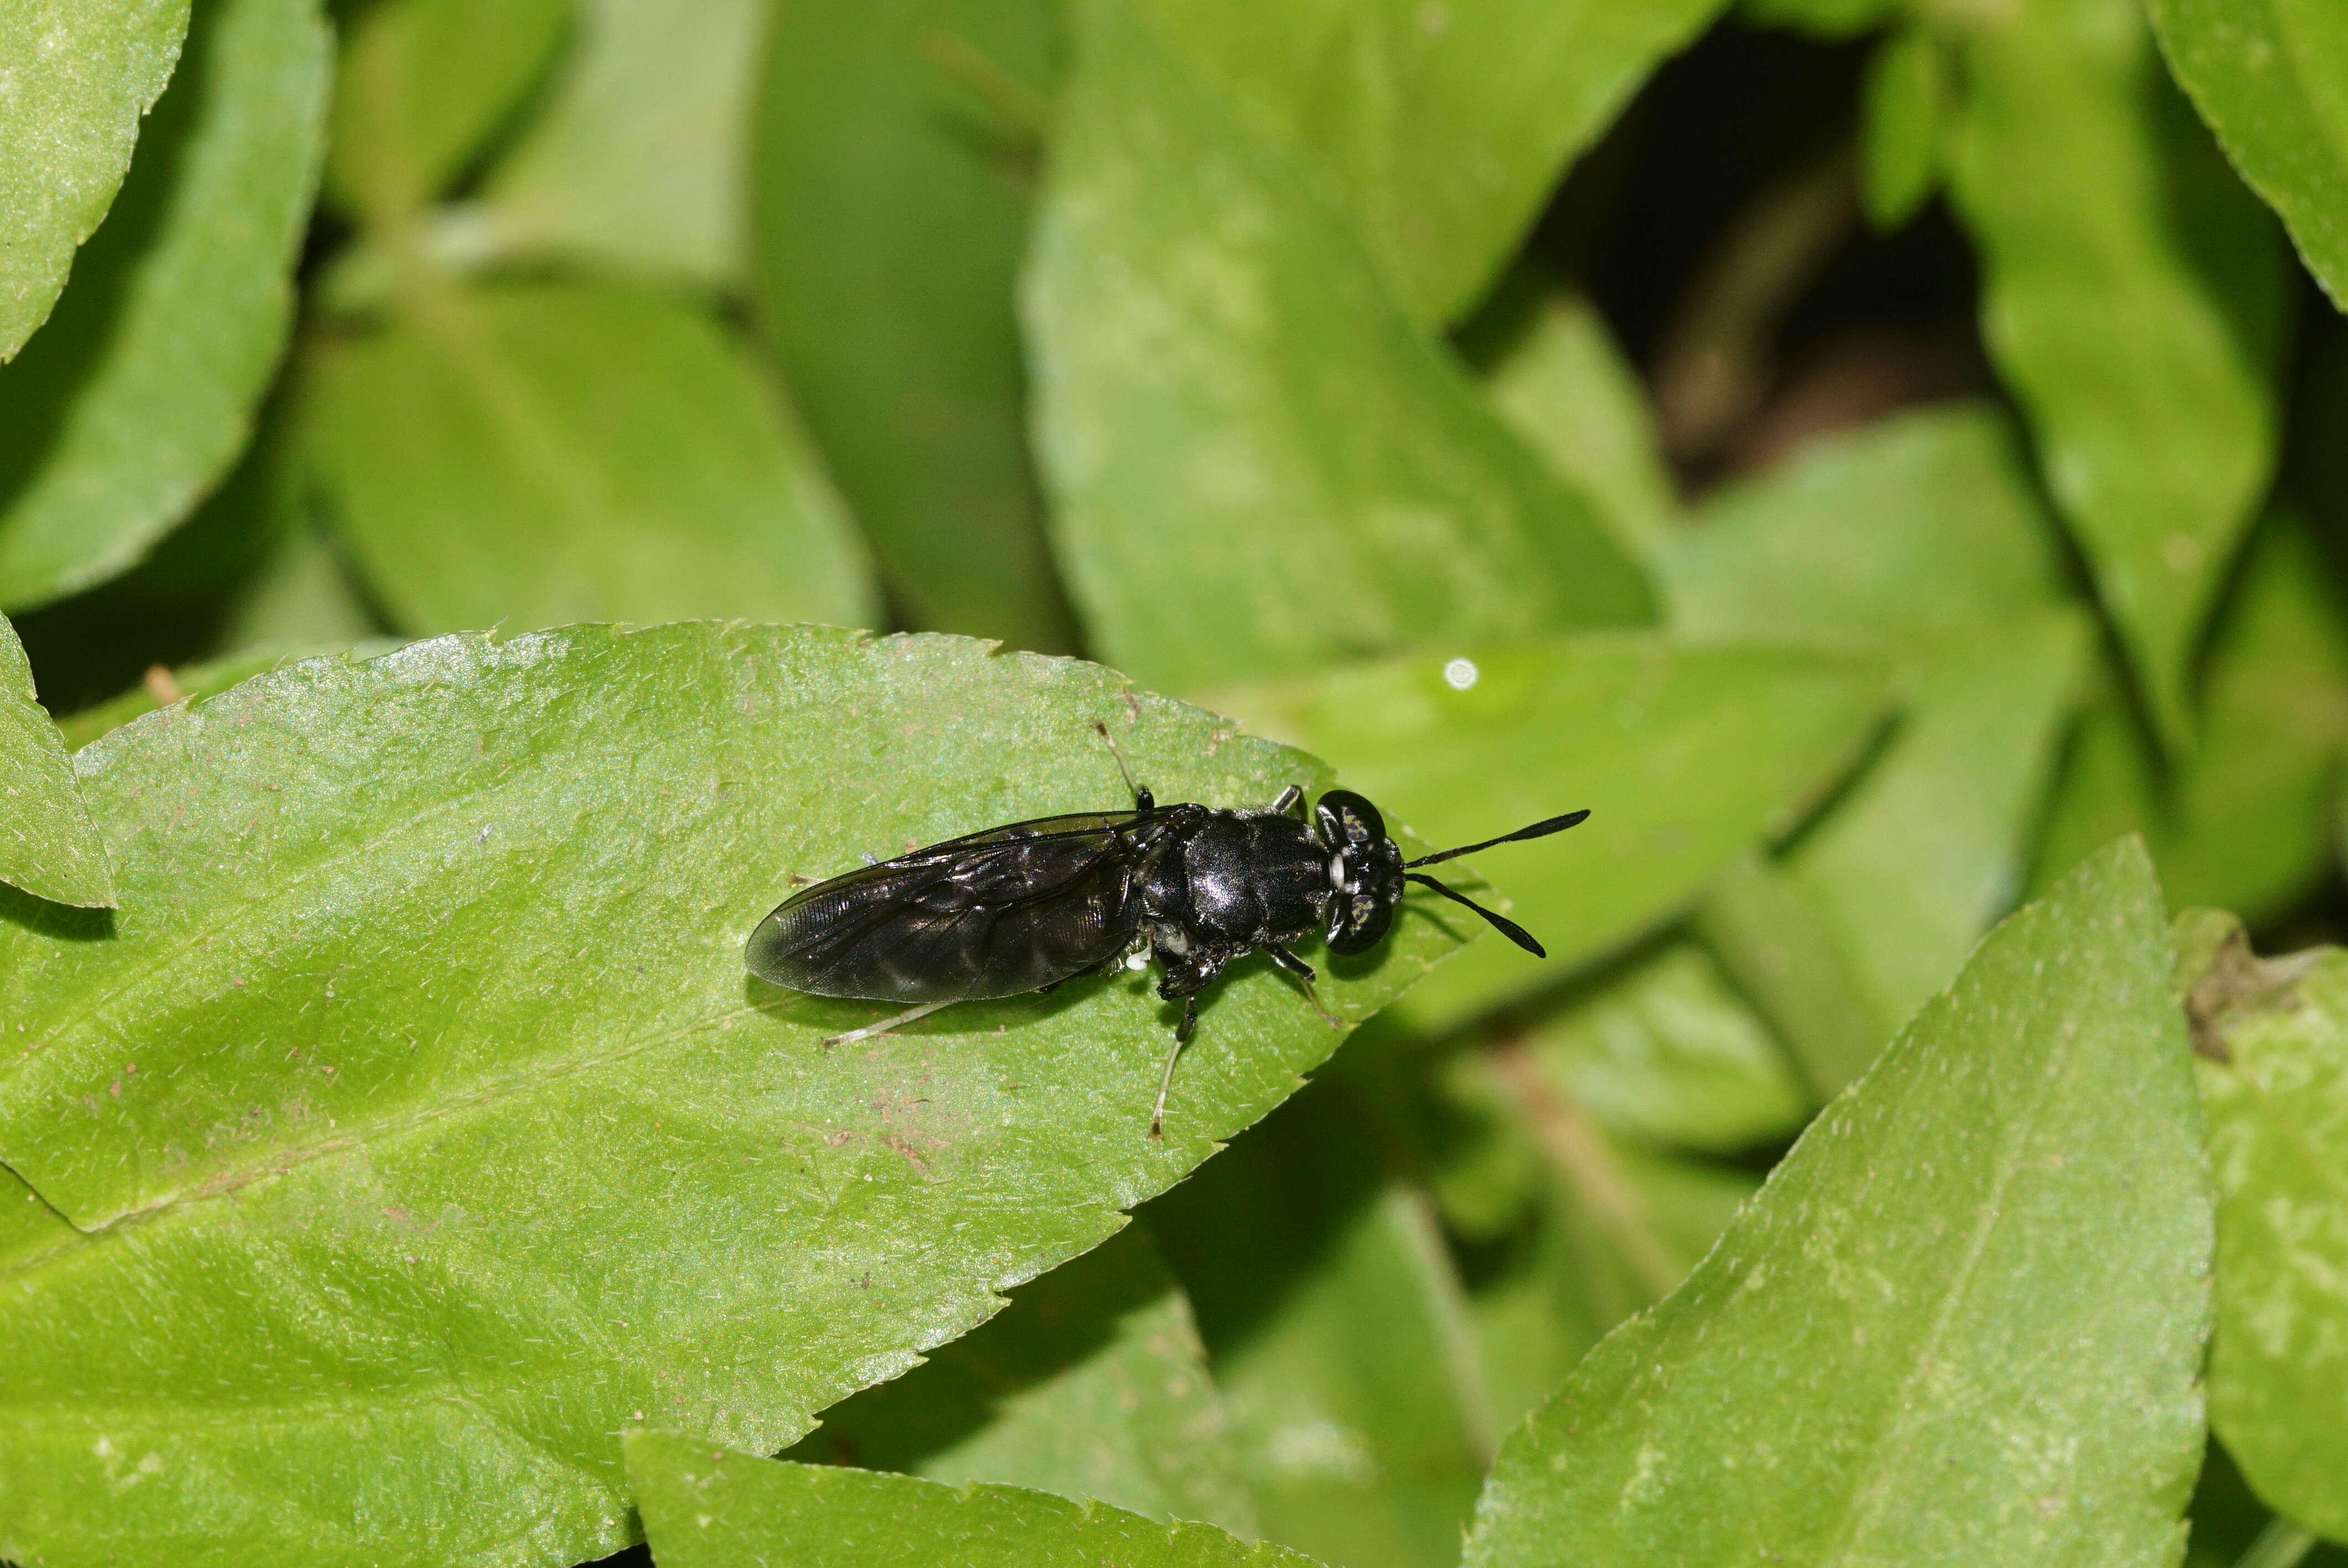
{"points": [[1666, 1053], [81, 72], [426, 1130], [1443, 127], [2134, 298], [892, 162], [1963, 1321], [706, 1508], [421, 85], [1558, 378], [2274, 1079], [636, 160], [1929, 845], [1338, 1335], [141, 392], [1904, 103], [1683, 753], [2271, 79], [2246, 822], [1091, 1384], [47, 846], [525, 456], [1260, 465]]}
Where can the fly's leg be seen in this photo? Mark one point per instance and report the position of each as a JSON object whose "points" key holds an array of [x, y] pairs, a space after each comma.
{"points": [[1303, 972], [1166, 1080], [1290, 800], [1142, 801], [885, 1025]]}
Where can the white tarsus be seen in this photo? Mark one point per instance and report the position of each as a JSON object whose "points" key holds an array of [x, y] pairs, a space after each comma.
{"points": [[885, 1025]]}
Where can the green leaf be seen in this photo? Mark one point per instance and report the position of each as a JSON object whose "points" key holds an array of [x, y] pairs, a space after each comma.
{"points": [[28, 1227], [2133, 298], [706, 1508], [889, 202], [535, 454], [2274, 1062], [139, 395], [421, 85], [1683, 754], [80, 74], [2271, 79], [1903, 104], [1091, 1384], [1600, 1229], [1337, 1334], [1929, 845], [1775, 941], [2246, 822], [1260, 465], [2001, 1231], [1443, 127], [458, 1136], [636, 161], [47, 846], [1665, 1052], [1555, 372]]}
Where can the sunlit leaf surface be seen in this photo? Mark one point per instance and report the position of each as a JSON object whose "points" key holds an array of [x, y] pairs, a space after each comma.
{"points": [[2003, 1228], [425, 1130], [706, 1508], [81, 72], [47, 846], [139, 394]]}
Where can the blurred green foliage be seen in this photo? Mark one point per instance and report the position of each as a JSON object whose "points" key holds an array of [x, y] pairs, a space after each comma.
{"points": [[1874, 453]]}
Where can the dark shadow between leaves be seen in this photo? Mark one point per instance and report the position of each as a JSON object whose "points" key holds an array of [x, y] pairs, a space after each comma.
{"points": [[1054, 1324], [57, 922]]}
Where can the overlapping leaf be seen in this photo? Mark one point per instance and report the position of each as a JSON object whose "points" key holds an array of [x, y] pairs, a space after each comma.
{"points": [[140, 393], [2273, 1039], [2271, 79], [1963, 1321], [1929, 844], [47, 846], [2133, 300], [892, 157], [1557, 376], [81, 72], [707, 1508], [1338, 1335], [637, 160], [1091, 1384], [425, 1130], [1442, 126], [1683, 753], [530, 455], [1260, 465], [422, 84], [2246, 823]]}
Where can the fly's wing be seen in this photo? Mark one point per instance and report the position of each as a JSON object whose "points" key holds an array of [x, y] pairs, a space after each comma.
{"points": [[995, 914]]}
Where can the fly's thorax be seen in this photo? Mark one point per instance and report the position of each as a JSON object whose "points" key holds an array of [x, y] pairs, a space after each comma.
{"points": [[1238, 878]]}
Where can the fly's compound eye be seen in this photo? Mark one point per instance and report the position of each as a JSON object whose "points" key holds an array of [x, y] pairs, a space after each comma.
{"points": [[1347, 821], [1358, 922]]}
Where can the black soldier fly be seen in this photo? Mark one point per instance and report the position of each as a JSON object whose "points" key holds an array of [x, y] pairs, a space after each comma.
{"points": [[1022, 907]]}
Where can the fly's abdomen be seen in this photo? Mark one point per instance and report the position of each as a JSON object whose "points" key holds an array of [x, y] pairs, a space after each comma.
{"points": [[952, 931]]}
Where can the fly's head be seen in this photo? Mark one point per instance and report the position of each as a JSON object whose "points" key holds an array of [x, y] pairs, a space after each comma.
{"points": [[1366, 872]]}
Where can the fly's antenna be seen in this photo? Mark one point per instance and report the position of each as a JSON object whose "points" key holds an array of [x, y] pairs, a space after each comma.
{"points": [[1140, 794], [1500, 923], [1538, 830]]}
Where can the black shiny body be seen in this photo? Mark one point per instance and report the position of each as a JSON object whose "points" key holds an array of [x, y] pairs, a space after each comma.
{"points": [[1022, 907]]}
